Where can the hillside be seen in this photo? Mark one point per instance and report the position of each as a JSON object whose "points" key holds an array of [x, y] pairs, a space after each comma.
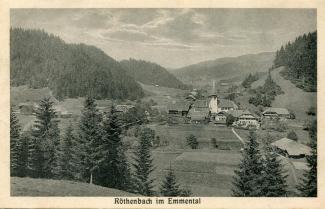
{"points": [[293, 98], [39, 60], [48, 187], [224, 68], [151, 74]]}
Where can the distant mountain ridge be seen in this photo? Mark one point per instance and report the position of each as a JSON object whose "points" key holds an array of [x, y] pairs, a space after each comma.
{"points": [[39, 59], [225, 68], [151, 73]]}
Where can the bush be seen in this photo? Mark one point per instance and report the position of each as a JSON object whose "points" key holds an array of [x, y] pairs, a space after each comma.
{"points": [[292, 115], [213, 142], [192, 141], [311, 111], [230, 120], [292, 135]]}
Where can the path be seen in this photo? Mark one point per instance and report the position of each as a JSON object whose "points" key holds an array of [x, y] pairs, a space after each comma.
{"points": [[238, 137]]}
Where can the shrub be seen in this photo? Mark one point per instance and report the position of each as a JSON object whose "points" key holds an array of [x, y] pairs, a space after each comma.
{"points": [[230, 120], [311, 111], [192, 141]]}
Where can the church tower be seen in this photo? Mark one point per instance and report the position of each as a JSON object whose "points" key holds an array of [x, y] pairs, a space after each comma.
{"points": [[213, 104]]}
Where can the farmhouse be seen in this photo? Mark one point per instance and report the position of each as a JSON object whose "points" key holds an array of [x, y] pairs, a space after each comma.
{"points": [[199, 111], [245, 119], [291, 148], [178, 108], [276, 113], [226, 105], [27, 108], [220, 117], [123, 108]]}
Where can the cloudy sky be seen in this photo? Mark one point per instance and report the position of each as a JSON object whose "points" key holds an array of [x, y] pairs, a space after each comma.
{"points": [[172, 37]]}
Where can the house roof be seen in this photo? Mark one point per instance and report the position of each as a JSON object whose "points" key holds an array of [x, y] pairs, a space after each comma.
{"points": [[227, 103], [180, 106], [280, 111], [198, 115], [292, 147], [123, 108], [237, 113], [201, 104]]}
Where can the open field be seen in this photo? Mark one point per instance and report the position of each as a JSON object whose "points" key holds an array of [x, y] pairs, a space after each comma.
{"points": [[293, 98], [48, 187]]}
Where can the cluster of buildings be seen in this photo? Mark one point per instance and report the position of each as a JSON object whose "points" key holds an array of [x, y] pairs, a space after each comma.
{"points": [[215, 110]]}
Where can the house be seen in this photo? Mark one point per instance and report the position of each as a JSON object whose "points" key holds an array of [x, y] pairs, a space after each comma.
{"points": [[123, 108], [199, 111], [291, 148], [225, 105], [178, 108], [220, 117], [276, 113], [244, 119], [62, 111], [27, 108]]}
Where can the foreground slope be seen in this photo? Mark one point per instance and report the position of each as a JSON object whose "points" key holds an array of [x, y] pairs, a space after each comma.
{"points": [[48, 187], [225, 68], [38, 59], [151, 74]]}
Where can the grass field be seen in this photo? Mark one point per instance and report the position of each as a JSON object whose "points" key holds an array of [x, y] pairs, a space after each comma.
{"points": [[48, 187], [293, 98]]}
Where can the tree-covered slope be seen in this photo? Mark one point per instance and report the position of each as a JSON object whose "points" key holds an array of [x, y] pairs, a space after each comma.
{"points": [[300, 60], [69, 70], [151, 73]]}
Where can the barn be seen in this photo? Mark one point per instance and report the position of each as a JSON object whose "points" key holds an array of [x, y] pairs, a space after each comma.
{"points": [[276, 113], [291, 148]]}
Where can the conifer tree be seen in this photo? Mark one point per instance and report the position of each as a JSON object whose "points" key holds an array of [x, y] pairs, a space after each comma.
{"points": [[143, 164], [45, 141], [66, 155], [14, 144], [248, 179], [274, 177], [88, 141], [308, 187], [114, 167], [24, 154]]}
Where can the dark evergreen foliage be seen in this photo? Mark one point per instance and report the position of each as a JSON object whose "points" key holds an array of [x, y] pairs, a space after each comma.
{"points": [[191, 141], [300, 60], [274, 177], [44, 141], [114, 169], [88, 141], [151, 73], [248, 177], [170, 187], [14, 144], [308, 187], [143, 164], [23, 162], [66, 156], [69, 70], [230, 120], [292, 135], [249, 80]]}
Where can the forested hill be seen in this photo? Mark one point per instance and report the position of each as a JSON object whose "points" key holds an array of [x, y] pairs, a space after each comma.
{"points": [[69, 70], [225, 68], [300, 60], [151, 73]]}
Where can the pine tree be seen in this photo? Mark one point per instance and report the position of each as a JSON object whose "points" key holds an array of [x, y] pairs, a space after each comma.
{"points": [[308, 187], [88, 141], [143, 164], [170, 187], [24, 154], [14, 144], [45, 141], [248, 179], [274, 177], [66, 155], [114, 167]]}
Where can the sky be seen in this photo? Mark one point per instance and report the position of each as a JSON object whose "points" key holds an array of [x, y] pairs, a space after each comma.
{"points": [[172, 38]]}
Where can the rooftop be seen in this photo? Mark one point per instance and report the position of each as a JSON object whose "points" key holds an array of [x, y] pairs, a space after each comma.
{"points": [[280, 111], [292, 147]]}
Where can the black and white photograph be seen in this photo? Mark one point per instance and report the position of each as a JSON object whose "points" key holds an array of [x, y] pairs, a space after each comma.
{"points": [[163, 102]]}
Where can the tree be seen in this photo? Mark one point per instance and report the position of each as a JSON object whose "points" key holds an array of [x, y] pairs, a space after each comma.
{"points": [[14, 144], [143, 164], [308, 187], [24, 154], [113, 167], [292, 135], [192, 141], [213, 143], [66, 158], [170, 187], [248, 180], [44, 141], [90, 135], [230, 120], [274, 177]]}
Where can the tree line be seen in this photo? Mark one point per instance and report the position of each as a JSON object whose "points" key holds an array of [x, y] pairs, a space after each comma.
{"points": [[261, 173], [94, 152], [249, 80], [300, 60], [38, 59]]}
